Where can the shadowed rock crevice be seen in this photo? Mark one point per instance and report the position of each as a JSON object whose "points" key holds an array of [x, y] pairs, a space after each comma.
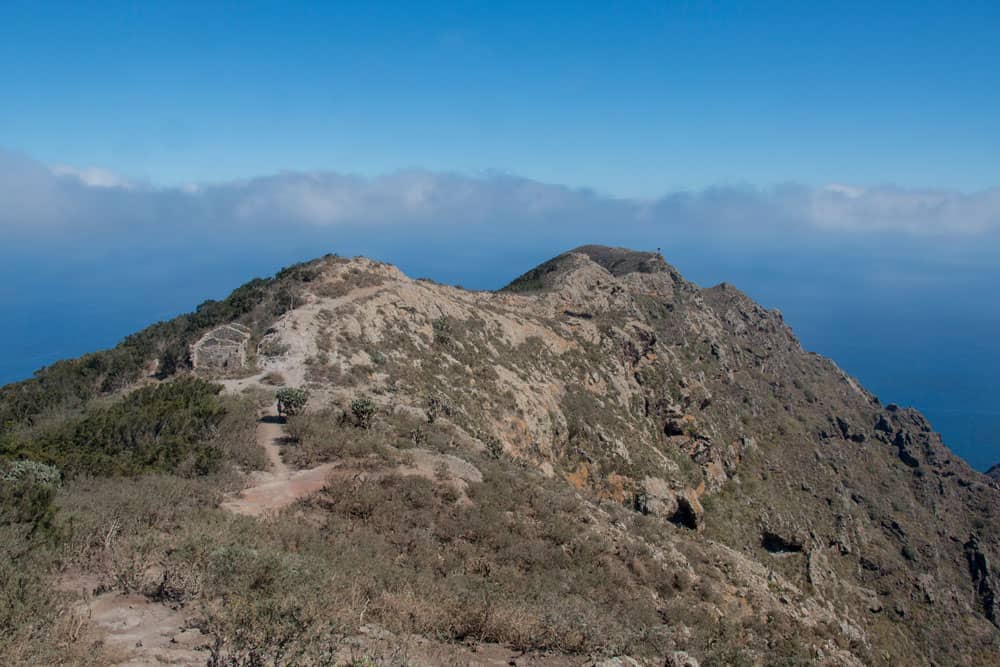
{"points": [[776, 544], [983, 580], [689, 513]]}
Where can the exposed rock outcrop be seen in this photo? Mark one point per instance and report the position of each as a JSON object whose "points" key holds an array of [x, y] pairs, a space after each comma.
{"points": [[985, 580]]}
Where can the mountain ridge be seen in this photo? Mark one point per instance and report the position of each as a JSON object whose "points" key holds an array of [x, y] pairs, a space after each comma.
{"points": [[766, 475]]}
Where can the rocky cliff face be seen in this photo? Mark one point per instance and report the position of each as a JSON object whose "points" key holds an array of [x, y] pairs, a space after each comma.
{"points": [[797, 493]]}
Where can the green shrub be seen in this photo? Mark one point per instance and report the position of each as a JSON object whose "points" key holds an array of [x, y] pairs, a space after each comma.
{"points": [[236, 437], [363, 409], [291, 401], [494, 447], [39, 473], [166, 427], [28, 535], [443, 334], [27, 489]]}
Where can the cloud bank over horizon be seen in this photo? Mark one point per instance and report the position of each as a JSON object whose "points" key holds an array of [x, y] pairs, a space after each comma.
{"points": [[36, 198]]}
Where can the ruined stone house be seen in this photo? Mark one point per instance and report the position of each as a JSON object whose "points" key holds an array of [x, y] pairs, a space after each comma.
{"points": [[222, 348]]}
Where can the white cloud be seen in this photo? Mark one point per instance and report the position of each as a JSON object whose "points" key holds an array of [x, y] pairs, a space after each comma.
{"points": [[923, 212], [34, 195], [94, 177], [405, 197], [847, 190]]}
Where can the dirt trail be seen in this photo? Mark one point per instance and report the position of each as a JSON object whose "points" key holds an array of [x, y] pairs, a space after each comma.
{"points": [[269, 433], [279, 486]]}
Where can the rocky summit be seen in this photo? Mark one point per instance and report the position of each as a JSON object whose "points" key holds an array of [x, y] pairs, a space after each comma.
{"points": [[601, 463]]}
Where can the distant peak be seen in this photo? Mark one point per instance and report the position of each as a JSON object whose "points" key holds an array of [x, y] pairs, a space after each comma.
{"points": [[621, 261], [616, 261]]}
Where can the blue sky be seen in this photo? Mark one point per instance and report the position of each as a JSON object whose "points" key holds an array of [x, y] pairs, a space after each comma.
{"points": [[834, 160], [632, 101]]}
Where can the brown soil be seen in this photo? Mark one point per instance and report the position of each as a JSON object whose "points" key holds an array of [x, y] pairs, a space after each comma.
{"points": [[135, 630]]}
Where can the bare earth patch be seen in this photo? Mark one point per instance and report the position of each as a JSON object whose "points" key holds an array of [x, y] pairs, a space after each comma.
{"points": [[138, 631], [150, 632]]}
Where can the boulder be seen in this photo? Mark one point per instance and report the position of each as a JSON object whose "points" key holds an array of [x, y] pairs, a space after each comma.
{"points": [[882, 424], [659, 498]]}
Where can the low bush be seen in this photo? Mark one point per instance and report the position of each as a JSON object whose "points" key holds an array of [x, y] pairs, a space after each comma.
{"points": [[328, 435], [517, 566], [111, 517], [363, 409], [27, 489], [291, 401], [29, 541], [236, 436], [163, 427]]}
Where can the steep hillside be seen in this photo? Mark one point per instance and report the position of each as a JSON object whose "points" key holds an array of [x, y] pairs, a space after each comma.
{"points": [[600, 460]]}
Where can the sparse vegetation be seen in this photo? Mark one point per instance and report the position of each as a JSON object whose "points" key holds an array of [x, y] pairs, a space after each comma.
{"points": [[363, 409], [183, 427], [328, 435], [291, 401], [162, 427], [803, 504]]}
